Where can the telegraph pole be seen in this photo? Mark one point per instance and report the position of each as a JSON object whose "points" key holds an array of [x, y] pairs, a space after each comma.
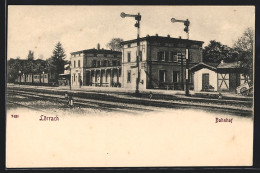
{"points": [[137, 24], [187, 53]]}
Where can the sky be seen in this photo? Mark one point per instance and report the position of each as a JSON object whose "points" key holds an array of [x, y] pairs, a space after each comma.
{"points": [[40, 28]]}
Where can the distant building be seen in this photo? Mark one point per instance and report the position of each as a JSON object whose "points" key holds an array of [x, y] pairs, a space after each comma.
{"points": [[96, 67], [217, 77], [162, 62], [64, 78]]}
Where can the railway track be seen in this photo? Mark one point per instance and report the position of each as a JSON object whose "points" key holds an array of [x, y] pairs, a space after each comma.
{"points": [[88, 103], [120, 103], [244, 102]]}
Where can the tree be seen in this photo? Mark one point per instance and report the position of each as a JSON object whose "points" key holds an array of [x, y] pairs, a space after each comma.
{"points": [[13, 67], [215, 52], [244, 47], [55, 64], [30, 55], [115, 44]]}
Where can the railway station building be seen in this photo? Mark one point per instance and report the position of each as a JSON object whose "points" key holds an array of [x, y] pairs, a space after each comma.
{"points": [[96, 67], [162, 62]]}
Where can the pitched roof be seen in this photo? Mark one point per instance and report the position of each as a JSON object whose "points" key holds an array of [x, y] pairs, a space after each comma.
{"points": [[229, 65], [211, 66], [101, 51]]}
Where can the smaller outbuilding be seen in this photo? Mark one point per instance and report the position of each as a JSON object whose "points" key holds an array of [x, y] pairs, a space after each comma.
{"points": [[64, 79], [217, 77]]}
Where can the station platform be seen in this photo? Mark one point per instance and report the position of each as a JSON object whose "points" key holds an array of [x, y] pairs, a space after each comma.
{"points": [[125, 91]]}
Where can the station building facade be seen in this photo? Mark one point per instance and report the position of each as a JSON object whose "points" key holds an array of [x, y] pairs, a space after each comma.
{"points": [[96, 67], [162, 62]]}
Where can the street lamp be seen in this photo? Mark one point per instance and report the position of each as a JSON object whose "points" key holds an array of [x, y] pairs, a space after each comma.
{"points": [[186, 29], [137, 24]]}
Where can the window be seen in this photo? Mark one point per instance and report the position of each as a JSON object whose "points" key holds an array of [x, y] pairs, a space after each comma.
{"points": [[128, 56], [128, 76], [78, 63], [98, 64], [166, 55], [105, 63], [94, 63], [114, 62], [162, 76], [74, 64], [161, 56], [174, 57], [74, 77], [118, 63], [176, 76]]}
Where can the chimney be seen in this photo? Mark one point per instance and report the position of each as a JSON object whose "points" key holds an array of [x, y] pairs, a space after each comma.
{"points": [[168, 36], [156, 35], [147, 35], [98, 46], [179, 37]]}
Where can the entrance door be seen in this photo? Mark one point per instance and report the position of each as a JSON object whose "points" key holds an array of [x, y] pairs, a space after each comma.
{"points": [[88, 78], [234, 81], [161, 78], [205, 81]]}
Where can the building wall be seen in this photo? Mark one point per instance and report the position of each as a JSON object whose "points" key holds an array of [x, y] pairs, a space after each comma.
{"points": [[223, 86], [129, 66], [198, 79], [151, 64], [29, 78], [169, 70], [76, 74], [133, 72], [44, 78], [170, 65], [76, 70], [86, 63]]}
